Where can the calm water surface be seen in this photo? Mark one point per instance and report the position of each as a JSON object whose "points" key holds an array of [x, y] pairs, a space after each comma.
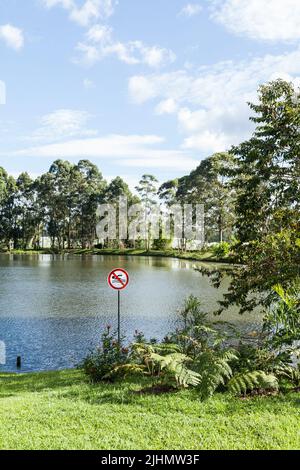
{"points": [[53, 309]]}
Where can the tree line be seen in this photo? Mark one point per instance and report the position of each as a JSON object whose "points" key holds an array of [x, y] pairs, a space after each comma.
{"points": [[62, 203], [249, 193]]}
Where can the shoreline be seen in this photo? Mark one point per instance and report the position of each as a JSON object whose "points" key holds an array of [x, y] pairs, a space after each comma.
{"points": [[207, 257]]}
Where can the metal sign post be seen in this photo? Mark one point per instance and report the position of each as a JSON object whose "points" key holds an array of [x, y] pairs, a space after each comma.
{"points": [[119, 317], [118, 279]]}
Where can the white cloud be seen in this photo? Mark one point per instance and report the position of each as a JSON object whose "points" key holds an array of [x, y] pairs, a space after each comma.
{"points": [[126, 150], [61, 124], [173, 85], [211, 104], [92, 10], [12, 36], [67, 4], [89, 11], [99, 43], [100, 34], [168, 106], [109, 146], [271, 20], [208, 142], [142, 89], [191, 9]]}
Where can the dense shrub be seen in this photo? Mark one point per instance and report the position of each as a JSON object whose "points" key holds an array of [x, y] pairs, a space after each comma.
{"points": [[208, 355], [161, 244], [222, 250], [98, 364]]}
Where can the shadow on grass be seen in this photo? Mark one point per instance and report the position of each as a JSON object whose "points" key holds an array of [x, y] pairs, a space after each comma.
{"points": [[274, 404], [15, 384], [73, 385]]}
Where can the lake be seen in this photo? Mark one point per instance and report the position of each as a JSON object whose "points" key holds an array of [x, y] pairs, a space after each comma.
{"points": [[53, 308]]}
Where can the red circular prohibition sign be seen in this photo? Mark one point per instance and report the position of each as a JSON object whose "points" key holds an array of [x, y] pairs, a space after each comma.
{"points": [[118, 279]]}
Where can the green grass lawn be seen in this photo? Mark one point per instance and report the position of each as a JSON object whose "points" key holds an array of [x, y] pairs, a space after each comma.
{"points": [[168, 253], [60, 410]]}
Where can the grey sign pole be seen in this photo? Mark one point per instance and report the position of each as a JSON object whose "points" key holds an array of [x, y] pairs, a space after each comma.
{"points": [[119, 318]]}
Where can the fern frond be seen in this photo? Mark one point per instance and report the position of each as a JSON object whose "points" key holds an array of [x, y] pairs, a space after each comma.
{"points": [[142, 348], [242, 383], [215, 370], [167, 348], [185, 376], [290, 373], [174, 365], [205, 329], [125, 370], [167, 361]]}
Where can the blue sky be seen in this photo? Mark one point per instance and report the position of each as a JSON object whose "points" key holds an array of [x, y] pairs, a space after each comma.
{"points": [[136, 86]]}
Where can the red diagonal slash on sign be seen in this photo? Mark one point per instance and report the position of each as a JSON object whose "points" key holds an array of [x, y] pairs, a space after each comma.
{"points": [[118, 278]]}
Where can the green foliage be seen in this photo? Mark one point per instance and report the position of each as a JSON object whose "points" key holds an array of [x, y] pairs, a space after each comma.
{"points": [[222, 250], [266, 180], [282, 321], [215, 370], [147, 190], [258, 356], [275, 259], [161, 244], [99, 364], [267, 168], [163, 362], [200, 354], [196, 333], [206, 343], [173, 367], [290, 374], [209, 185], [62, 204], [125, 370], [241, 384]]}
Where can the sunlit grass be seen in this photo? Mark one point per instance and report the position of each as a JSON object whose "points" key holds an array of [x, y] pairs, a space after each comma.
{"points": [[61, 410]]}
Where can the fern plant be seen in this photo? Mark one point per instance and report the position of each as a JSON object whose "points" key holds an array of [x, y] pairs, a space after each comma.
{"points": [[163, 362], [173, 366], [290, 373], [214, 369], [241, 384], [142, 354]]}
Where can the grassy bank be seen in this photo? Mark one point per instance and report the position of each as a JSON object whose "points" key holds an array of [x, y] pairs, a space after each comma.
{"points": [[60, 410], [189, 255], [207, 256]]}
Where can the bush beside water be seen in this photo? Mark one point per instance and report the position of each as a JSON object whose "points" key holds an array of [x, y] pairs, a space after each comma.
{"points": [[211, 356]]}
